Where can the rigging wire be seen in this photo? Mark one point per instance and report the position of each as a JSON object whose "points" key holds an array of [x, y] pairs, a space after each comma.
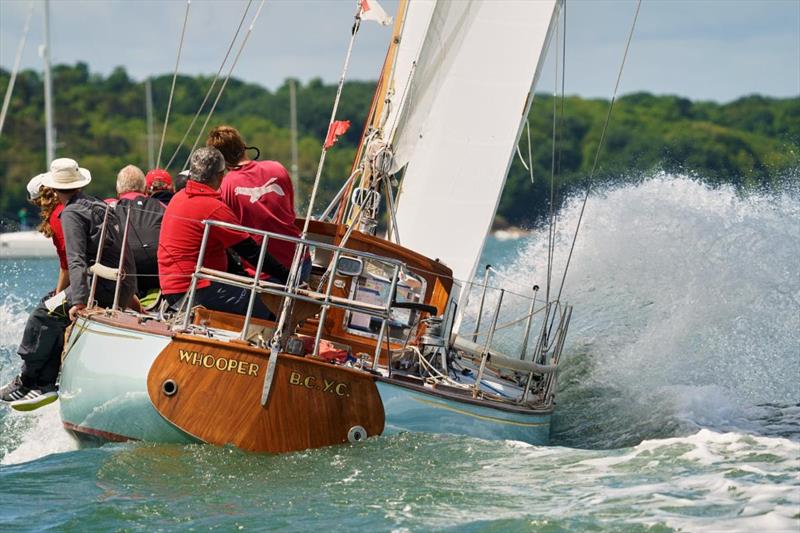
{"points": [[354, 32], [211, 88], [293, 280], [550, 234], [554, 219], [15, 70], [174, 78], [225, 82], [599, 147]]}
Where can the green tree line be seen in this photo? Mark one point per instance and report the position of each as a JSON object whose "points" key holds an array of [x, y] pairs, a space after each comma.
{"points": [[100, 121]]}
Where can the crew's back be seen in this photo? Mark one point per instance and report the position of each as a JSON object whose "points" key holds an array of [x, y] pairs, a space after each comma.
{"points": [[144, 215]]}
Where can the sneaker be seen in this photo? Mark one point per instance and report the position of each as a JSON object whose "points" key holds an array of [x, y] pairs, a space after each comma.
{"points": [[14, 390], [28, 399]]}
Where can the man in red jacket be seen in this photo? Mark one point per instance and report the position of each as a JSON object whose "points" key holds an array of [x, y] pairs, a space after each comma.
{"points": [[182, 234]]}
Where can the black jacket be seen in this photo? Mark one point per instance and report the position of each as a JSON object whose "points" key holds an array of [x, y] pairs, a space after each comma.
{"points": [[82, 222], [143, 232]]}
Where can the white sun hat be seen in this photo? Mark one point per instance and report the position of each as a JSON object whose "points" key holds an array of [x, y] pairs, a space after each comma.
{"points": [[35, 187], [65, 174]]}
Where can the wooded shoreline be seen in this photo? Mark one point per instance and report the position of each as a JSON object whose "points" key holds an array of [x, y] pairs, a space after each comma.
{"points": [[752, 142]]}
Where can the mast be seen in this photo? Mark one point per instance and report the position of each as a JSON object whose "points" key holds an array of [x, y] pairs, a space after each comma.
{"points": [[15, 70], [151, 149], [50, 134], [293, 127], [378, 99]]}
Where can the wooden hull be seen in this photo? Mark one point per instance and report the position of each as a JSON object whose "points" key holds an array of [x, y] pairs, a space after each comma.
{"points": [[113, 388], [215, 394]]}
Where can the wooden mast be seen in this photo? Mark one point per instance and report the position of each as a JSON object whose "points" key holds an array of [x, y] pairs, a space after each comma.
{"points": [[378, 98]]}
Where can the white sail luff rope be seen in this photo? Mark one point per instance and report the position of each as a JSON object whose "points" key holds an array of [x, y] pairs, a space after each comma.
{"points": [[172, 89]]}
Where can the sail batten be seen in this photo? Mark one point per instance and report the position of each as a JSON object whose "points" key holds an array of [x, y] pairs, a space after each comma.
{"points": [[460, 118]]}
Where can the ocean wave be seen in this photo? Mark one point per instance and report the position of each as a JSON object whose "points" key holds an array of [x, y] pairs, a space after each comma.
{"points": [[686, 308]]}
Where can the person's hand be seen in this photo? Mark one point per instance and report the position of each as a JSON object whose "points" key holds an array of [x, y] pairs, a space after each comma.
{"points": [[136, 305], [73, 311]]}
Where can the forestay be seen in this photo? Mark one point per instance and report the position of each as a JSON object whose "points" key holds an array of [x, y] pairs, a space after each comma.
{"points": [[460, 119]]}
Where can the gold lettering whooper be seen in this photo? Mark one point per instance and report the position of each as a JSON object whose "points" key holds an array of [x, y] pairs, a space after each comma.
{"points": [[222, 364]]}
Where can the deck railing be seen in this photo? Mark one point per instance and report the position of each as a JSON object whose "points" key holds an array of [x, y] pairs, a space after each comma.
{"points": [[325, 299]]}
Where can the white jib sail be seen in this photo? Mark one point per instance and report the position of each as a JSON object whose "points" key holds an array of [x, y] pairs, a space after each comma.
{"points": [[460, 120]]}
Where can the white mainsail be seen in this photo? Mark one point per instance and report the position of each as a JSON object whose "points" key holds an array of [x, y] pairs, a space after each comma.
{"points": [[469, 92], [416, 18]]}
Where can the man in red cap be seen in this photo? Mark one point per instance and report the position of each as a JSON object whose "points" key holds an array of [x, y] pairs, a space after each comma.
{"points": [[159, 185]]}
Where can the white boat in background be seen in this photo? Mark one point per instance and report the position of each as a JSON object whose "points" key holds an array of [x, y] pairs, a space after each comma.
{"points": [[32, 244], [26, 245]]}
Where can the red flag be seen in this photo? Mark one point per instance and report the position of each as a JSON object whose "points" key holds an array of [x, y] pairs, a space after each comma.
{"points": [[337, 127]]}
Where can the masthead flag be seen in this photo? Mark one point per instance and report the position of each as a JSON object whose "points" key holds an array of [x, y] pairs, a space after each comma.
{"points": [[372, 10]]}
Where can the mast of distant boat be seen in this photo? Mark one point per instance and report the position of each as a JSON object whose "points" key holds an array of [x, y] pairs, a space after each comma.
{"points": [[293, 127], [15, 70], [50, 134], [151, 149]]}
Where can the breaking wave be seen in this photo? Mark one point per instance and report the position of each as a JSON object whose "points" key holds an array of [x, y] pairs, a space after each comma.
{"points": [[25, 436], [686, 311]]}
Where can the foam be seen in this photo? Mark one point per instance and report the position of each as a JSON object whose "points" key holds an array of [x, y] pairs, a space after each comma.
{"points": [[40, 433], [686, 298]]}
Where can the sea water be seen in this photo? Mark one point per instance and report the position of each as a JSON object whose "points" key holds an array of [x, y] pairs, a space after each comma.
{"points": [[678, 405]]}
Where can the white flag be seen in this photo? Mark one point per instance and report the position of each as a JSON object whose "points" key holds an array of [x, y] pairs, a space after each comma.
{"points": [[372, 10]]}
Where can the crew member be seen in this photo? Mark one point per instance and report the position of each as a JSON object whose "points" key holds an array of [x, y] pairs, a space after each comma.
{"points": [[145, 214], [182, 234], [260, 193], [158, 184], [43, 338], [50, 210]]}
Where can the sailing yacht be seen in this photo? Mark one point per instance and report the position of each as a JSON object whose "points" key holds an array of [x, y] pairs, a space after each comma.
{"points": [[373, 342]]}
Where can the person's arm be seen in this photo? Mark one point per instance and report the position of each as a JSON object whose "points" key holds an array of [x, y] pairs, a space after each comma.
{"points": [[63, 280], [248, 249], [75, 230], [243, 244]]}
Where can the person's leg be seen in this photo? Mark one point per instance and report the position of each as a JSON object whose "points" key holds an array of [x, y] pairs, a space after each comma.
{"points": [[40, 350], [305, 269], [42, 343], [221, 297]]}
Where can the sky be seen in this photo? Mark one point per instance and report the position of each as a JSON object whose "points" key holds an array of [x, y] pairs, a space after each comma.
{"points": [[701, 49]]}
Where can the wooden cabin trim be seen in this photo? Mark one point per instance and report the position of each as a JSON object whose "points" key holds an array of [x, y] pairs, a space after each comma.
{"points": [[122, 320]]}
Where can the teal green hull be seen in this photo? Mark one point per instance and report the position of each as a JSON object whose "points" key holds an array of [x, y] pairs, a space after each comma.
{"points": [[103, 389], [409, 410]]}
